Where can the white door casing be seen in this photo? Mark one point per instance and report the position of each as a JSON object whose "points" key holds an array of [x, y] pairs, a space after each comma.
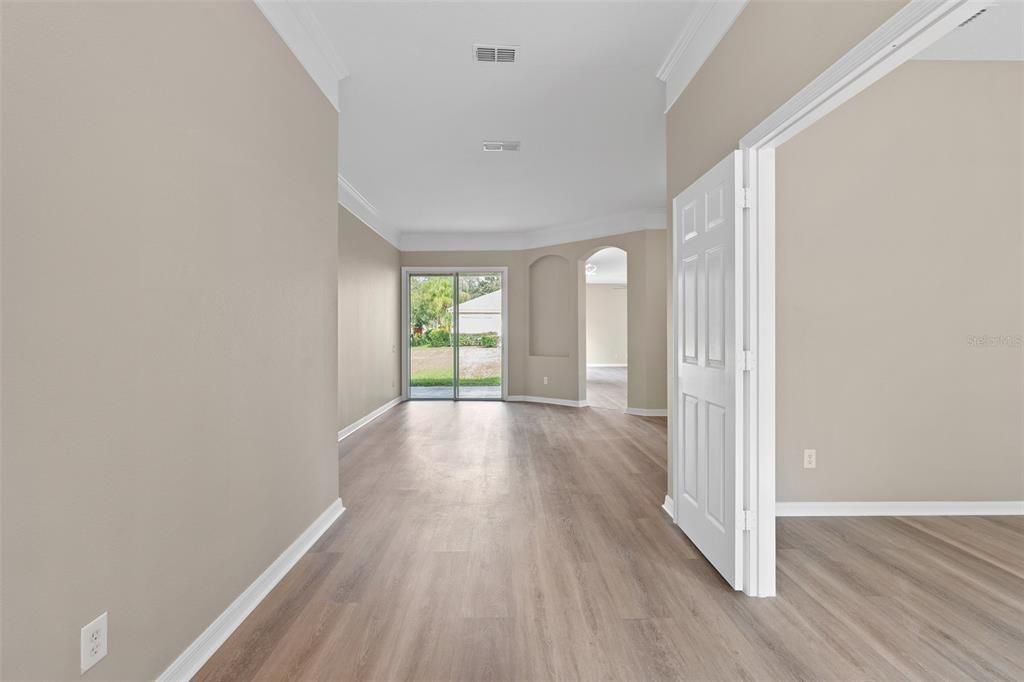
{"points": [[706, 411], [914, 27]]}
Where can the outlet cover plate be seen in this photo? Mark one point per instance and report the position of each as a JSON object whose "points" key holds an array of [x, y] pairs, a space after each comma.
{"points": [[94, 642]]}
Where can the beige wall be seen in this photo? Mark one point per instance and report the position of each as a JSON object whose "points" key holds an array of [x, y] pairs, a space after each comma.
{"points": [[169, 322], [567, 374], [606, 324], [551, 279], [900, 228], [774, 49], [369, 312]]}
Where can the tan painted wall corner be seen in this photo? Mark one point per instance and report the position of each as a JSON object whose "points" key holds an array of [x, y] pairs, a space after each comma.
{"points": [[169, 284], [369, 308], [889, 263]]}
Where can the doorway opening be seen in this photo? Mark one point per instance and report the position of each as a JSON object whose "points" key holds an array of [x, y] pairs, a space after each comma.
{"points": [[606, 329], [455, 344], [734, 203]]}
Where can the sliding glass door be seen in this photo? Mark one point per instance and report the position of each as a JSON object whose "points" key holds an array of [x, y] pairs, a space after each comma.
{"points": [[431, 350], [455, 348], [480, 345]]}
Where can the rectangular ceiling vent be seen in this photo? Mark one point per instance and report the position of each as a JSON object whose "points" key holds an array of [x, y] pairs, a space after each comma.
{"points": [[501, 145], [496, 54]]}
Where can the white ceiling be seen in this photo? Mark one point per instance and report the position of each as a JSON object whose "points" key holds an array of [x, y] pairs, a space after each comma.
{"points": [[998, 34], [611, 266], [583, 99]]}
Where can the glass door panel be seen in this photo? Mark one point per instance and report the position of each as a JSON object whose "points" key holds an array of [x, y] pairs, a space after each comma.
{"points": [[431, 337], [479, 336]]}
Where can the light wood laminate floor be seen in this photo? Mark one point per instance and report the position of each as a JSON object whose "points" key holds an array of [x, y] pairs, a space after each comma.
{"points": [[606, 387], [494, 541]]}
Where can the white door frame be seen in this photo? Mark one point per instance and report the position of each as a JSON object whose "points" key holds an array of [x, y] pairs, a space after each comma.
{"points": [[413, 270], [911, 29]]}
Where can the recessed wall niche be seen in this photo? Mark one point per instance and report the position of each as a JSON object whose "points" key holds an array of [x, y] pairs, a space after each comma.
{"points": [[551, 318]]}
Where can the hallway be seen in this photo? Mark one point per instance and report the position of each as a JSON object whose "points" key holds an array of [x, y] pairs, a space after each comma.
{"points": [[606, 387], [523, 541], [527, 341]]}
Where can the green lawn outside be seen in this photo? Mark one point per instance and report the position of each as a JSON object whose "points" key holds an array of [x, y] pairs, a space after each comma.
{"points": [[477, 366], [444, 378]]}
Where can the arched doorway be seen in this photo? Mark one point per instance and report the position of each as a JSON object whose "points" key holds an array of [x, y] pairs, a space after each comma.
{"points": [[605, 339]]}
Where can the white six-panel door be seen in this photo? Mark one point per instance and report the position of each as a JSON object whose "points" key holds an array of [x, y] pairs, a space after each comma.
{"points": [[704, 412]]}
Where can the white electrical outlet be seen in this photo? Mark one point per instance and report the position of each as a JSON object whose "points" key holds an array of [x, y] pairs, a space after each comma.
{"points": [[94, 642], [545, 381], [810, 459]]}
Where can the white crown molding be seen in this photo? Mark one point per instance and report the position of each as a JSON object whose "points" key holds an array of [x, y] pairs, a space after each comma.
{"points": [[622, 223], [205, 645], [707, 25], [359, 206], [463, 241], [697, 16], [980, 508], [302, 32], [360, 423]]}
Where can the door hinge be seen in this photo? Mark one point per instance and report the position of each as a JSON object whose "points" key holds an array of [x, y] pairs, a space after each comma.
{"points": [[747, 361], [743, 197], [747, 520]]}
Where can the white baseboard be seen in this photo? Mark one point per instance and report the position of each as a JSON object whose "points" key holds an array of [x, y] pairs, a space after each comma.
{"points": [[355, 426], [644, 412], [669, 507], [206, 644], [983, 508], [549, 401], [601, 365]]}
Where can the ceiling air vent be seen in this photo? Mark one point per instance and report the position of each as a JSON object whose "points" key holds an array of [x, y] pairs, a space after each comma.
{"points": [[501, 145], [496, 54]]}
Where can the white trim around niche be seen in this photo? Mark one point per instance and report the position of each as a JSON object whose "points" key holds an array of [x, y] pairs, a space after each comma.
{"points": [[205, 645], [979, 508], [707, 24]]}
